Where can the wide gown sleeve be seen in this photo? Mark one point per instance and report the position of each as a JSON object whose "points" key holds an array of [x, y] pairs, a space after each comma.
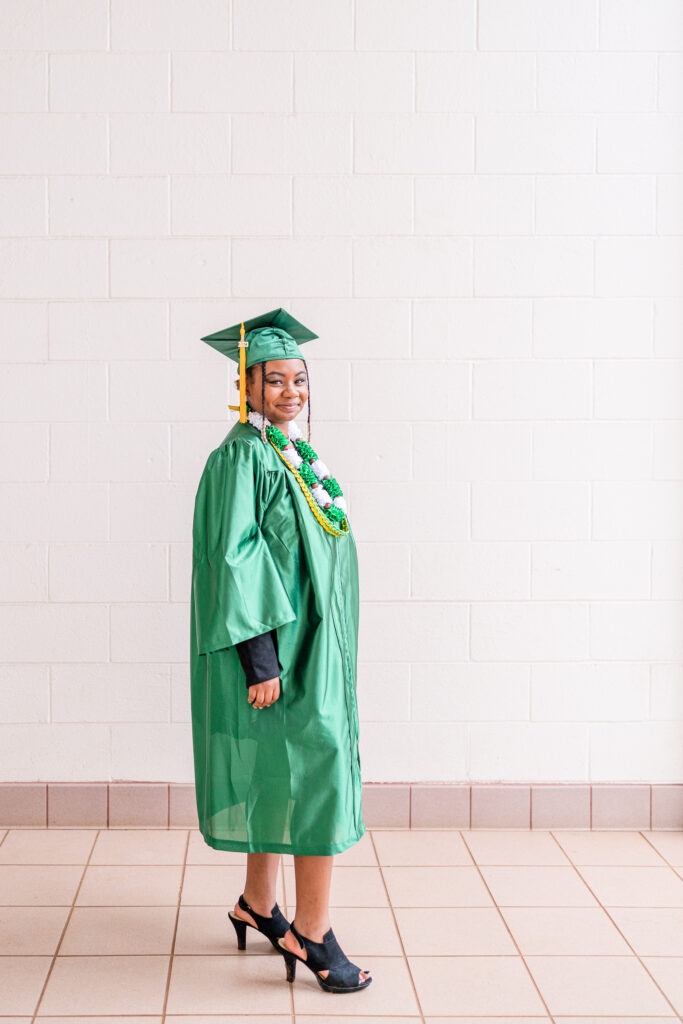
{"points": [[237, 589]]}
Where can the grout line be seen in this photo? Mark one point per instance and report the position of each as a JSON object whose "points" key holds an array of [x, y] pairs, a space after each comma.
{"points": [[398, 930], [659, 853], [175, 929]]}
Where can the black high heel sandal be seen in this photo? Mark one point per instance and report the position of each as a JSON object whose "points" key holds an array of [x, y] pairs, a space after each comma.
{"points": [[272, 927], [321, 956]]}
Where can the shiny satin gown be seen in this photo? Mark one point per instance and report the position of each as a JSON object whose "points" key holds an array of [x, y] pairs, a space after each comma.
{"points": [[286, 778]]}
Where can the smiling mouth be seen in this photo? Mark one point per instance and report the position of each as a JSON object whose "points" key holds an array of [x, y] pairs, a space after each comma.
{"points": [[292, 405]]}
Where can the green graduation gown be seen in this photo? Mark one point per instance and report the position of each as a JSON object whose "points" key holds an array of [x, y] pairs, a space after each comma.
{"points": [[286, 778]]}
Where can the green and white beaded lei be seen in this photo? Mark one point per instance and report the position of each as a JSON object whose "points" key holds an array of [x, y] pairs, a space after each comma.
{"points": [[302, 458]]}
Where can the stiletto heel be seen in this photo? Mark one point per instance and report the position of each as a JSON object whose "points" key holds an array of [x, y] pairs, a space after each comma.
{"points": [[272, 927], [240, 928], [290, 962], [324, 956]]}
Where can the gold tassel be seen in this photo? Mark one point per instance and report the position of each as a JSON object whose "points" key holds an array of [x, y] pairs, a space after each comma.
{"points": [[243, 346], [243, 375]]}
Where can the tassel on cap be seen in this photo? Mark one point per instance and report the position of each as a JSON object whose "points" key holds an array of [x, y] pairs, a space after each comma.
{"points": [[243, 346], [243, 375]]}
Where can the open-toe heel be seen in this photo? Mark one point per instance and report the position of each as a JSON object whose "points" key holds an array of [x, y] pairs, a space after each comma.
{"points": [[272, 927], [324, 956]]}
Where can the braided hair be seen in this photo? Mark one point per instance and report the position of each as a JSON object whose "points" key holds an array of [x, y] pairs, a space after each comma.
{"points": [[308, 402], [263, 400]]}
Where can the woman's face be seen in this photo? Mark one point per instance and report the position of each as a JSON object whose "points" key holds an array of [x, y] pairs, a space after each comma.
{"points": [[286, 389]]}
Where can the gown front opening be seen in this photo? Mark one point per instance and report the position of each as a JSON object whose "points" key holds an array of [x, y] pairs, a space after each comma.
{"points": [[286, 778]]}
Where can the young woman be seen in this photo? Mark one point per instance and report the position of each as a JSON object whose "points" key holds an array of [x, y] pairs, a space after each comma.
{"points": [[274, 636]]}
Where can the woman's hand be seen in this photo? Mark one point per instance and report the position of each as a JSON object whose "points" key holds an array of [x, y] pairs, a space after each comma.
{"points": [[262, 695]]}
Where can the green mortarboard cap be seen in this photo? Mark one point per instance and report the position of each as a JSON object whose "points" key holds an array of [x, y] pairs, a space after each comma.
{"points": [[272, 335]]}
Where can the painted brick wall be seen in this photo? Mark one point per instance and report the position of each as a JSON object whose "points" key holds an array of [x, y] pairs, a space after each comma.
{"points": [[478, 206]]}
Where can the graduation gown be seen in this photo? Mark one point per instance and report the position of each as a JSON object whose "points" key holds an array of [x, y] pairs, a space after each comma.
{"points": [[286, 778]]}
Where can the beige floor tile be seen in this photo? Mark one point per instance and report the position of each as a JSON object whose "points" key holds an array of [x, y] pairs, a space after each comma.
{"points": [[304, 1018], [52, 885], [139, 846], [106, 985], [601, 985], [652, 931], [512, 846], [236, 984], [639, 1019], [436, 887], [230, 1018], [351, 887], [218, 885], [116, 931], [474, 985], [199, 852], [47, 846], [362, 931], [31, 931], [404, 847], [635, 887], [109, 1020], [128, 1019], [539, 886], [390, 992], [21, 979], [536, 1019], [453, 931], [607, 847], [564, 931], [208, 931], [121, 885], [668, 973], [669, 844]]}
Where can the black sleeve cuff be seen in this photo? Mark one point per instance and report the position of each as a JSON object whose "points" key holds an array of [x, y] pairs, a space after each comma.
{"points": [[259, 657]]}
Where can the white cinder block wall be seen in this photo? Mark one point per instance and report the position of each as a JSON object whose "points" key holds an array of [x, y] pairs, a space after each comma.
{"points": [[478, 206]]}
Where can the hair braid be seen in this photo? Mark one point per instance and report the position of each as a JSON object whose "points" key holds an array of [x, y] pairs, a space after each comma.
{"points": [[263, 401], [308, 383]]}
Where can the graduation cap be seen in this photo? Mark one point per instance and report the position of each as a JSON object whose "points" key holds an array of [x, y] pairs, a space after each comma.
{"points": [[271, 335]]}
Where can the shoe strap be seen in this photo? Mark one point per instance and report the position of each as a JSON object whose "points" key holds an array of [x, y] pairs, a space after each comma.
{"points": [[266, 924], [325, 955]]}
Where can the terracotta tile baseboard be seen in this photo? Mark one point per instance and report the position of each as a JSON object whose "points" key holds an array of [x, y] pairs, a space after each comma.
{"points": [[385, 805]]}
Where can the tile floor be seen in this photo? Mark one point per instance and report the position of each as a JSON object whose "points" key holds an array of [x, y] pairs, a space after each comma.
{"points": [[470, 926]]}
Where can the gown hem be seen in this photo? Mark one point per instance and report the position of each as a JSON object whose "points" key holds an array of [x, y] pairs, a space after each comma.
{"points": [[324, 850]]}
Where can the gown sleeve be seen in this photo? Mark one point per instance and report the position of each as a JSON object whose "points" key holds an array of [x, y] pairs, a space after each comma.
{"points": [[236, 587], [259, 657]]}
